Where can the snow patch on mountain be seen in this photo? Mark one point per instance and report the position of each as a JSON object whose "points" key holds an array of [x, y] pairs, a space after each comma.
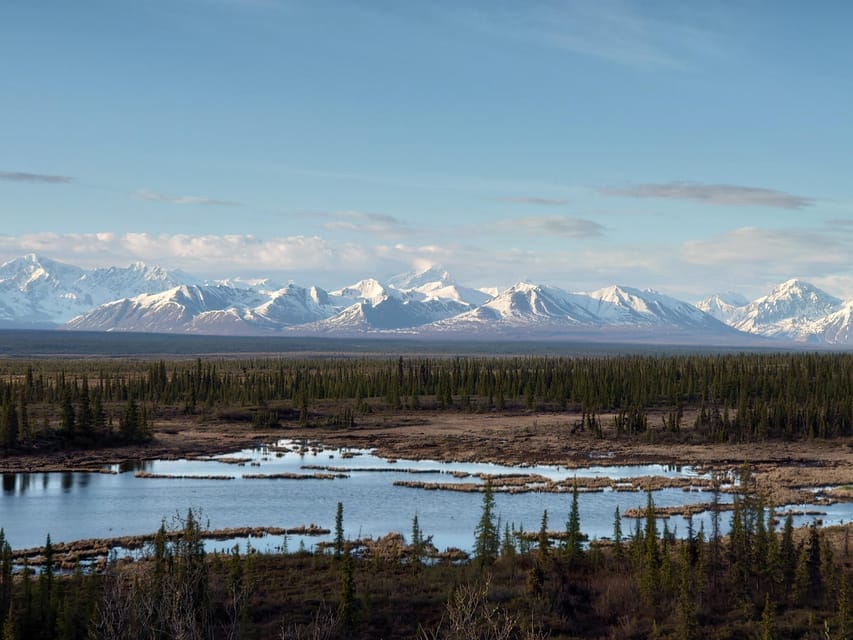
{"points": [[627, 306], [368, 290], [293, 305], [182, 309], [725, 307], [836, 328]]}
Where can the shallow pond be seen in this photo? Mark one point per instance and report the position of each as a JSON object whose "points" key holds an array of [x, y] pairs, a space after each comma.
{"points": [[71, 506]]}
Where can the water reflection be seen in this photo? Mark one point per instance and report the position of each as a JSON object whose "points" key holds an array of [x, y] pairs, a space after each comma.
{"points": [[134, 465], [9, 482]]}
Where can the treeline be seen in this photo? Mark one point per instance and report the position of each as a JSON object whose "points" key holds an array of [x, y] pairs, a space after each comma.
{"points": [[727, 398], [69, 413], [757, 581]]}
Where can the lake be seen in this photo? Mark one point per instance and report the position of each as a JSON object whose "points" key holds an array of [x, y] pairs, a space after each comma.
{"points": [[72, 506]]}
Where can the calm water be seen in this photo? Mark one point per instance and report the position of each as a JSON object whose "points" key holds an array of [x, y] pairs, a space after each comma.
{"points": [[71, 506]]}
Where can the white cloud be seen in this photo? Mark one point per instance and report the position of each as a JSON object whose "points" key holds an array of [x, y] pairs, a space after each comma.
{"points": [[155, 196], [565, 226], [536, 200], [362, 222]]}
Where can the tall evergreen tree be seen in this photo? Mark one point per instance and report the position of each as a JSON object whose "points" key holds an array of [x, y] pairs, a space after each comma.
{"points": [[573, 547], [339, 531], [544, 544], [617, 535], [486, 539], [346, 599]]}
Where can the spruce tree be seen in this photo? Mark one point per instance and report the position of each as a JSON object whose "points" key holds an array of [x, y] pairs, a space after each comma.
{"points": [[508, 543], [617, 535], [574, 538], [650, 577], [5, 575], [843, 606], [339, 531], [417, 543], [346, 599], [687, 624], [9, 426], [486, 542], [543, 536], [788, 556], [767, 619], [9, 625], [67, 419]]}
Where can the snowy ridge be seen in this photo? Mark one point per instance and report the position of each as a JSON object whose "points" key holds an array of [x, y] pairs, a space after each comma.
{"points": [[38, 291], [182, 309], [530, 303], [836, 328], [725, 307], [793, 310], [646, 307], [296, 305]]}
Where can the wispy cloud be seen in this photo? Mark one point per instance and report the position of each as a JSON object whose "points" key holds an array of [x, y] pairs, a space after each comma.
{"points": [[36, 178], [780, 251], [626, 33], [546, 202], [843, 224], [156, 196], [362, 222], [565, 226], [728, 195]]}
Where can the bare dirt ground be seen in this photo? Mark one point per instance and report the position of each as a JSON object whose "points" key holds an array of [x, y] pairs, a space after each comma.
{"points": [[782, 469]]}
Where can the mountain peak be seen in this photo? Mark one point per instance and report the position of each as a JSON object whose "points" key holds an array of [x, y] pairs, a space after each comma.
{"points": [[796, 288], [415, 279], [369, 289], [731, 298], [787, 311], [28, 260], [524, 287]]}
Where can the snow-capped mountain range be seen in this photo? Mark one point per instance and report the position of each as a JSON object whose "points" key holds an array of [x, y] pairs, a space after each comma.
{"points": [[39, 292]]}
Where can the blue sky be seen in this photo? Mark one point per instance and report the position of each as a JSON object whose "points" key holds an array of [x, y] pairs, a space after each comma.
{"points": [[691, 147]]}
